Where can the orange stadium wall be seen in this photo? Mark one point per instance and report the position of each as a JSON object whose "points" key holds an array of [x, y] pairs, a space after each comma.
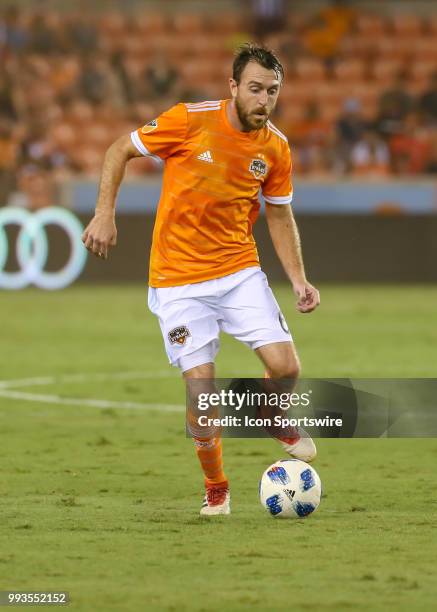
{"points": [[337, 248], [199, 6]]}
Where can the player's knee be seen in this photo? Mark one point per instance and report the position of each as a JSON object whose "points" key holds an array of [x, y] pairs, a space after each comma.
{"points": [[286, 369]]}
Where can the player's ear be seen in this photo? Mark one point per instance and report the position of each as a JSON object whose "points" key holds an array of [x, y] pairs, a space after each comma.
{"points": [[233, 86]]}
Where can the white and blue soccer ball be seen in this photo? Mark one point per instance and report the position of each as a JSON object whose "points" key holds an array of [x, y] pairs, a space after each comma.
{"points": [[290, 489]]}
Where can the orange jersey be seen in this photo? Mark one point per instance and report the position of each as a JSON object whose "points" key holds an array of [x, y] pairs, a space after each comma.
{"points": [[209, 201]]}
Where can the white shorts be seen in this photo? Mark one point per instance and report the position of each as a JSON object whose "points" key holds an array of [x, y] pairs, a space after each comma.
{"points": [[192, 316]]}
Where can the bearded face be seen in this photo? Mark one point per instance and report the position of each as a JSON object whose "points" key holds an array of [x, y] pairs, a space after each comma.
{"points": [[255, 96]]}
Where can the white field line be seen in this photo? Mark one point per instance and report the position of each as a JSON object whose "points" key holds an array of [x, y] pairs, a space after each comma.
{"points": [[7, 390], [66, 378], [87, 401]]}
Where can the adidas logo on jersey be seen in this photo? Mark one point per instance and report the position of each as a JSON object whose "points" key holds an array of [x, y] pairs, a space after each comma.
{"points": [[206, 157]]}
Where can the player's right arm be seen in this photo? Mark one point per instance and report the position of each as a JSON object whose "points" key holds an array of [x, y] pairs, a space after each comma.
{"points": [[101, 232], [159, 139]]}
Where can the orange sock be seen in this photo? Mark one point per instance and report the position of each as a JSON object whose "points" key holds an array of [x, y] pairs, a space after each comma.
{"points": [[211, 459]]}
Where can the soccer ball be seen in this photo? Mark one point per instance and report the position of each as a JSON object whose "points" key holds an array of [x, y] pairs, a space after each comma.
{"points": [[290, 489]]}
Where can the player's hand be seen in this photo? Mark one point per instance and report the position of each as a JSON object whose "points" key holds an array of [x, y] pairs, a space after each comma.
{"points": [[308, 297], [100, 234]]}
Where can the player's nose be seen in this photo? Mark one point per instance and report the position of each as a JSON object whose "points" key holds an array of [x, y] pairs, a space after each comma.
{"points": [[263, 98]]}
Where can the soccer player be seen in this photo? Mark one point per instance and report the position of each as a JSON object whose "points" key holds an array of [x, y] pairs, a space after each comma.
{"points": [[205, 274]]}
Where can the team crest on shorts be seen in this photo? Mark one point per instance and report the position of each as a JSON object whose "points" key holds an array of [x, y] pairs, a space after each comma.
{"points": [[283, 322], [258, 167], [149, 127], [178, 335]]}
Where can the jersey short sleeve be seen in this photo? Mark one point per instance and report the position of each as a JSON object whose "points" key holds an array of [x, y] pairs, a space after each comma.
{"points": [[163, 136], [277, 188]]}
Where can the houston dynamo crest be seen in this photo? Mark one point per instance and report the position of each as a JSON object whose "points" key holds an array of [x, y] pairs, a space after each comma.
{"points": [[179, 335], [258, 167]]}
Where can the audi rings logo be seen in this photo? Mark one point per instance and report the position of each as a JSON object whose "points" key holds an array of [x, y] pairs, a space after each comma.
{"points": [[32, 248]]}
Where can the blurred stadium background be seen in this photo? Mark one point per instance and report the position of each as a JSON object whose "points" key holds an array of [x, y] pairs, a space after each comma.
{"points": [[359, 106], [359, 98]]}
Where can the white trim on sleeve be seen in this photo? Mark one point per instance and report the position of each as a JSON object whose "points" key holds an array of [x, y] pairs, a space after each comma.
{"points": [[136, 141], [279, 199]]}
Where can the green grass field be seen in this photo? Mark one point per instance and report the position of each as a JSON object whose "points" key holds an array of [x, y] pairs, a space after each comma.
{"points": [[102, 500]]}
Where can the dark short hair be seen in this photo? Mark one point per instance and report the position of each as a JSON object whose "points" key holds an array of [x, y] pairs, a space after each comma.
{"points": [[255, 53]]}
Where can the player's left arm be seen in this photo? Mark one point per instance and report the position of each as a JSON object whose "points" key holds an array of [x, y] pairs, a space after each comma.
{"points": [[286, 241], [278, 193]]}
